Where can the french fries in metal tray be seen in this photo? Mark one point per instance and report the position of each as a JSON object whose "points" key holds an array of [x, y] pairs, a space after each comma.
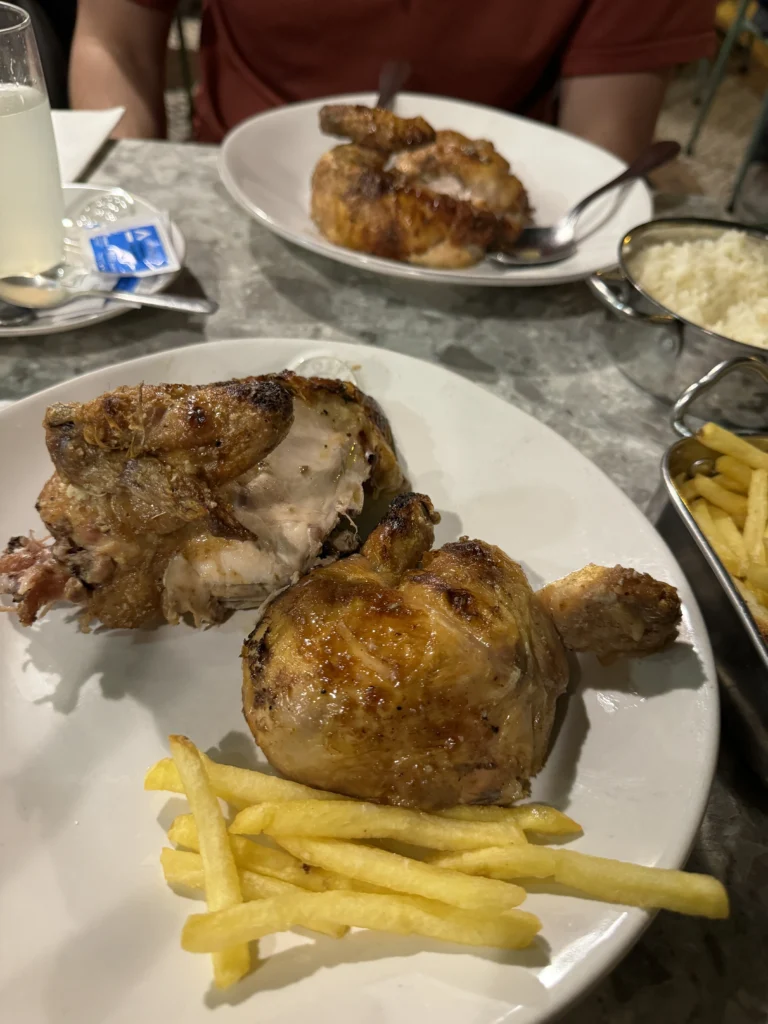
{"points": [[721, 478], [287, 855]]}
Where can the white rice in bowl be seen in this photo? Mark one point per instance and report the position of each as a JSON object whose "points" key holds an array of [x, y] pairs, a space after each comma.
{"points": [[719, 283]]}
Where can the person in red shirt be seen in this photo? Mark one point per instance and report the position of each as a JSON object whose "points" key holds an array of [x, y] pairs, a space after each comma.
{"points": [[597, 67]]}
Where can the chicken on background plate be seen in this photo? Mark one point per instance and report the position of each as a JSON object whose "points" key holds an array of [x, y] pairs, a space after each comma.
{"points": [[403, 191], [428, 679]]}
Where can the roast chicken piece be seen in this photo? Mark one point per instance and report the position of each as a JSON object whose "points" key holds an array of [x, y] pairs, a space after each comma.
{"points": [[471, 170], [172, 499], [441, 204], [374, 127], [426, 678]]}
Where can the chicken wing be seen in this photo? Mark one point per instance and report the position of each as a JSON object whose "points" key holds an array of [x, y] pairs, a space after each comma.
{"points": [[428, 678], [374, 128]]}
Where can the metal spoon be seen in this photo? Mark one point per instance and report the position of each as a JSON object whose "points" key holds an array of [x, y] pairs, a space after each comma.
{"points": [[36, 291], [537, 246], [394, 75]]}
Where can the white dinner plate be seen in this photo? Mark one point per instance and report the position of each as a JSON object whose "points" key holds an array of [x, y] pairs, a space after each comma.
{"points": [[267, 161], [89, 931], [84, 312]]}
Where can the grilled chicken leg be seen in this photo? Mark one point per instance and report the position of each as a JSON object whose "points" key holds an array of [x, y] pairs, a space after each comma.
{"points": [[430, 678]]}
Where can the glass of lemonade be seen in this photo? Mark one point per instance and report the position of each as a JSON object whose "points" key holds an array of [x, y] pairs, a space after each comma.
{"points": [[31, 202]]}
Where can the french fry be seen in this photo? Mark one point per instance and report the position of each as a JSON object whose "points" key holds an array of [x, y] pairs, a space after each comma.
{"points": [[721, 440], [734, 504], [238, 786], [254, 857], [352, 819], [404, 875], [183, 868], [757, 515], [688, 490], [735, 470], [613, 881], [758, 611], [222, 884], [530, 817], [729, 483], [731, 537], [758, 575], [701, 513], [402, 915]]}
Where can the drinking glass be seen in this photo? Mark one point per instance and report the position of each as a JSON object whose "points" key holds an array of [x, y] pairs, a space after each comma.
{"points": [[31, 202]]}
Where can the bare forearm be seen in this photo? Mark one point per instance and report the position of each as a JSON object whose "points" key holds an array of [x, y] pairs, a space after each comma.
{"points": [[118, 59], [618, 112], [97, 81]]}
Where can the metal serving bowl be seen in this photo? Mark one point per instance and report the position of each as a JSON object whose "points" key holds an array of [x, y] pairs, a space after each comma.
{"points": [[663, 352]]}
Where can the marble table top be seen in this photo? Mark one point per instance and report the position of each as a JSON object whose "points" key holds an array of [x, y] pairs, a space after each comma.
{"points": [[541, 349]]}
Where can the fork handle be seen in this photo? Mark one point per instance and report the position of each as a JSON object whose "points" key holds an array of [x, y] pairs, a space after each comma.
{"points": [[656, 155]]}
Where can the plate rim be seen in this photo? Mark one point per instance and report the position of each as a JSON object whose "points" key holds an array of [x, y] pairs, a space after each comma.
{"points": [[380, 265], [629, 927]]}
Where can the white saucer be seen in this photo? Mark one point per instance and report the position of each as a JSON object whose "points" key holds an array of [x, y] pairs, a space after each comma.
{"points": [[92, 311]]}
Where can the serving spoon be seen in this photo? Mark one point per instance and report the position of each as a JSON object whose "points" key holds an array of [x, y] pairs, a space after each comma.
{"points": [[394, 75], [38, 291], [538, 246]]}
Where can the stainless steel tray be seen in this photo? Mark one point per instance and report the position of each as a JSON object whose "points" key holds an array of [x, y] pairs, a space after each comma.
{"points": [[740, 651]]}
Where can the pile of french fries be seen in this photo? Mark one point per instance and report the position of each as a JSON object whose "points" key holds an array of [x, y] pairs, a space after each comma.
{"points": [[731, 510], [298, 856]]}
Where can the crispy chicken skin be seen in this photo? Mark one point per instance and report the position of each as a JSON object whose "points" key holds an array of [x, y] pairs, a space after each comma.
{"points": [[359, 205], [471, 170], [613, 611], [440, 203], [374, 128], [170, 500], [423, 678]]}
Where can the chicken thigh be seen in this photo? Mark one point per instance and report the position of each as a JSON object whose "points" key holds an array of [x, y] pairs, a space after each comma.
{"points": [[173, 499], [429, 678]]}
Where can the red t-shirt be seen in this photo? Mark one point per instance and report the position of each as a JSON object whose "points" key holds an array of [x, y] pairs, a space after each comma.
{"points": [[257, 54]]}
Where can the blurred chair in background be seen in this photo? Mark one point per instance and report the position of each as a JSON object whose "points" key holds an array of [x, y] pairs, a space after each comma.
{"points": [[750, 22]]}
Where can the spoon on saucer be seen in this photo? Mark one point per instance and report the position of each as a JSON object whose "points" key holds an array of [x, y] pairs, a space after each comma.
{"points": [[538, 246], [13, 316], [38, 291]]}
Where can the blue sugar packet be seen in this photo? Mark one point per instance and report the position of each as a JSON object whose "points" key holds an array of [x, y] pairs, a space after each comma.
{"points": [[135, 247]]}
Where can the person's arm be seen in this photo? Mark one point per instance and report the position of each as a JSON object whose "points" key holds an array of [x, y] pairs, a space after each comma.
{"points": [[617, 112], [616, 63], [118, 59]]}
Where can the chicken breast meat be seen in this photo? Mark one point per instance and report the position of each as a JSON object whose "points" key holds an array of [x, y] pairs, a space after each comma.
{"points": [[171, 500], [403, 191], [425, 678]]}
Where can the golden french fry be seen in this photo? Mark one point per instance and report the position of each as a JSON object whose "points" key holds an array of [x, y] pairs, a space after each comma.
{"points": [[352, 819], [758, 575], [403, 915], [183, 868], [688, 490], [613, 881], [703, 516], [222, 884], [255, 857], [758, 611], [735, 470], [731, 537], [729, 483], [734, 504], [757, 516], [238, 786], [721, 440], [530, 817], [404, 875]]}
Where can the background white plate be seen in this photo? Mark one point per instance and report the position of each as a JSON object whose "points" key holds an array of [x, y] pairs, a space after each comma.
{"points": [[266, 164], [94, 311], [89, 934]]}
